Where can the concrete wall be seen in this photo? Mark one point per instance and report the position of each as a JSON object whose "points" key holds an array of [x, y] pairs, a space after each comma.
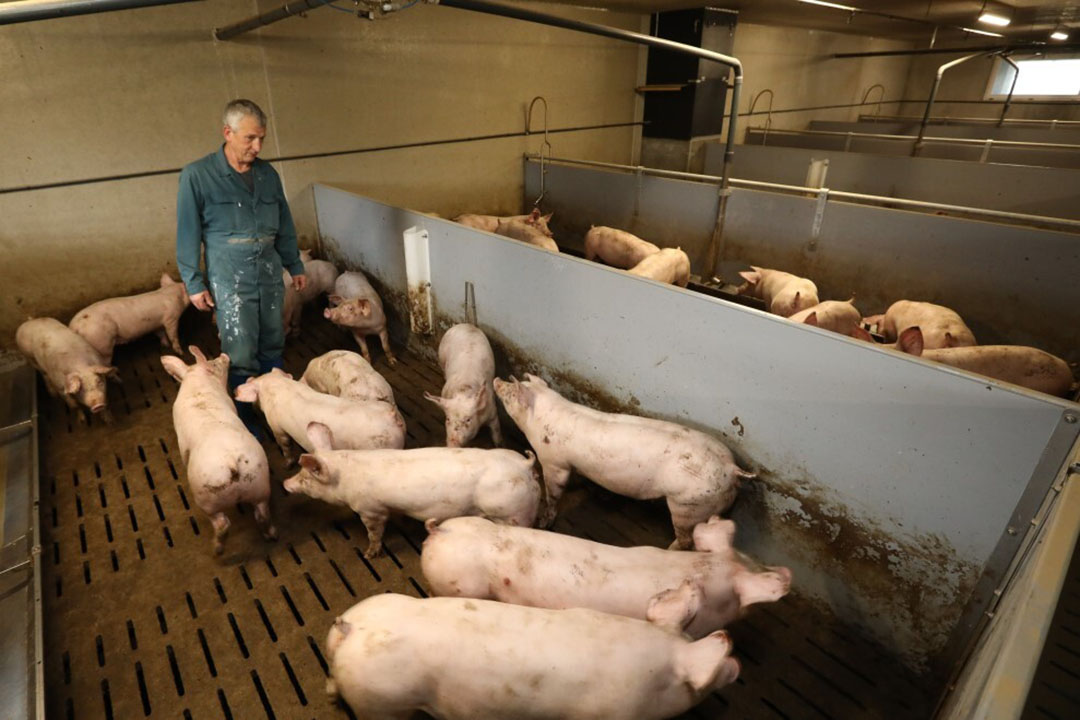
{"points": [[969, 81], [142, 90]]}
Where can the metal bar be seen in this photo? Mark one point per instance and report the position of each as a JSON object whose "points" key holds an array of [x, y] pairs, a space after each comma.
{"points": [[1019, 218], [311, 156], [1012, 87], [941, 119], [31, 10], [271, 16], [1039, 47], [930, 101], [518, 13], [946, 140]]}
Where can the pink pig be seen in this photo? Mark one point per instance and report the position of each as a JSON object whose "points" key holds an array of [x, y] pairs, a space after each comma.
{"points": [[468, 398], [634, 456], [670, 265], [617, 248], [461, 659], [357, 306], [526, 231], [784, 294], [941, 327], [471, 557], [72, 368], [839, 317], [490, 222], [225, 464], [347, 375], [116, 321]]}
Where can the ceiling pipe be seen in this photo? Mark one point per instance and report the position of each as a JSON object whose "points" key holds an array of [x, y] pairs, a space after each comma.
{"points": [[270, 16], [713, 255], [31, 10], [933, 93]]}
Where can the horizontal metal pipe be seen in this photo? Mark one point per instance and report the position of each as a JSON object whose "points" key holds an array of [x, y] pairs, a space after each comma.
{"points": [[1021, 218], [946, 140], [1020, 47], [266, 18], [30, 10], [945, 120]]}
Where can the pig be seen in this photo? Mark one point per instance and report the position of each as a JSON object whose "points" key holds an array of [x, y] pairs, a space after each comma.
{"points": [[634, 456], [347, 375], [357, 306], [617, 248], [670, 265], [490, 222], [424, 483], [839, 317], [72, 368], [292, 306], [468, 397], [289, 406], [940, 326], [1025, 366], [463, 659], [784, 294], [321, 276], [116, 321], [526, 232], [225, 464], [471, 557]]}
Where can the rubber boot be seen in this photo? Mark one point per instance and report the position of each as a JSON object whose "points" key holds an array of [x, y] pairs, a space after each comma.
{"points": [[245, 410], [266, 366]]}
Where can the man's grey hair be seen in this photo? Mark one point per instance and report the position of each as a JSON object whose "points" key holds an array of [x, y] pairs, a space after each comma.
{"points": [[239, 108]]}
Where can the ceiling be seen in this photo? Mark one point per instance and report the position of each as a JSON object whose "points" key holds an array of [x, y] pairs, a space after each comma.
{"points": [[1032, 20]]}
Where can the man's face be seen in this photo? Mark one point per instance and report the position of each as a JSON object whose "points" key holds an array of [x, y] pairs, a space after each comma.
{"points": [[245, 142]]}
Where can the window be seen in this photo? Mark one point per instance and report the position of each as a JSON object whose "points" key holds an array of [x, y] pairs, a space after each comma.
{"points": [[1043, 78]]}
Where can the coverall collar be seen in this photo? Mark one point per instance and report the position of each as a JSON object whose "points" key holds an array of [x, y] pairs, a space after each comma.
{"points": [[223, 166]]}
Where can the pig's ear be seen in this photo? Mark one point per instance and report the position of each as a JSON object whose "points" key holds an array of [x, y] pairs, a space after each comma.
{"points": [[675, 609], [320, 436], [533, 216], [768, 586], [335, 299], [435, 399], [197, 354], [481, 397], [535, 379], [166, 281], [861, 333], [316, 467], [247, 392], [810, 319], [108, 371], [911, 341], [547, 217], [174, 366], [714, 536], [751, 276], [950, 339], [363, 306], [705, 664], [72, 383]]}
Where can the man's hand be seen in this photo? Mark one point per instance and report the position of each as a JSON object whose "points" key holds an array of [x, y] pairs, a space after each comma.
{"points": [[299, 282], [203, 301]]}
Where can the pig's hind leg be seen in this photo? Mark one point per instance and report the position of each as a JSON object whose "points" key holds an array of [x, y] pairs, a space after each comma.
{"points": [[220, 521], [684, 518], [362, 342], [172, 333], [262, 519], [375, 524], [384, 338], [496, 432]]}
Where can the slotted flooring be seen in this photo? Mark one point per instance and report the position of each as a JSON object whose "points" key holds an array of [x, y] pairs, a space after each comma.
{"points": [[142, 621]]}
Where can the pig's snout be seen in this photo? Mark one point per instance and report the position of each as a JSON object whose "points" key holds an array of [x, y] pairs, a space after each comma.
{"points": [[290, 486], [328, 314], [97, 407]]}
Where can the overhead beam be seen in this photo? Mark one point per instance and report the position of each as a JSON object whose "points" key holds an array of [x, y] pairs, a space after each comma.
{"points": [[30, 10]]}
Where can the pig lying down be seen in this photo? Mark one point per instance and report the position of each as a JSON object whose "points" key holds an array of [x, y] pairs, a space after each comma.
{"points": [[357, 306], [116, 321], [670, 265], [426, 483], [839, 317], [460, 659], [72, 368], [1025, 366], [289, 406], [471, 557], [468, 397], [940, 326], [617, 248], [347, 375], [526, 231], [490, 222], [225, 464], [784, 294], [634, 456]]}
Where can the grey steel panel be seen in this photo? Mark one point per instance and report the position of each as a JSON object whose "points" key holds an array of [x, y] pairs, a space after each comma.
{"points": [[16, 633], [1049, 157], [886, 481], [1054, 192], [1017, 134], [1013, 284]]}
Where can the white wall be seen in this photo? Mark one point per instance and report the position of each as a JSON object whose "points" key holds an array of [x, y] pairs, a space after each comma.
{"points": [[142, 90]]}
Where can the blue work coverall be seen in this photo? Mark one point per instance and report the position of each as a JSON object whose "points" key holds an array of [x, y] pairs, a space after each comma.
{"points": [[249, 235]]}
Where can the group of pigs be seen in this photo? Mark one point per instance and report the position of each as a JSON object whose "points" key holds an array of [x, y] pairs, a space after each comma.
{"points": [[932, 331]]}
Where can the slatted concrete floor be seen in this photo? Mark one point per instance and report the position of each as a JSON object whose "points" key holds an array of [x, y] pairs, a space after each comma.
{"points": [[143, 621]]}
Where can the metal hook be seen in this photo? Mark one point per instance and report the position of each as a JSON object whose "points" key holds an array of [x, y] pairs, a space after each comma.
{"points": [[768, 117], [880, 100], [546, 145]]}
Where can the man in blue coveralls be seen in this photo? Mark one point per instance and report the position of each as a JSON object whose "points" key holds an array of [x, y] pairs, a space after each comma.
{"points": [[234, 204]]}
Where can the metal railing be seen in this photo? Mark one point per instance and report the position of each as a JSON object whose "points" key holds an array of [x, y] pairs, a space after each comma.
{"points": [[911, 138], [1040, 221], [944, 120]]}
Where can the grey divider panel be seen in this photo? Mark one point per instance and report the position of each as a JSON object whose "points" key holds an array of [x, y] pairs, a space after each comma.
{"points": [[1018, 134], [1012, 284], [1053, 192], [886, 482], [1046, 157]]}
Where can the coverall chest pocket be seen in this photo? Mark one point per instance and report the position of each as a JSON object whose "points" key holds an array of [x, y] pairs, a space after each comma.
{"points": [[223, 216], [267, 214]]}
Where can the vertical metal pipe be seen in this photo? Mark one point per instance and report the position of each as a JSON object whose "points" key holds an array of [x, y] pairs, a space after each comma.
{"points": [[930, 101], [712, 255], [1008, 100]]}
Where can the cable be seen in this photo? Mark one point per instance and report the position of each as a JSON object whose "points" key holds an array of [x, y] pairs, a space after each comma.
{"points": [[340, 9]]}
